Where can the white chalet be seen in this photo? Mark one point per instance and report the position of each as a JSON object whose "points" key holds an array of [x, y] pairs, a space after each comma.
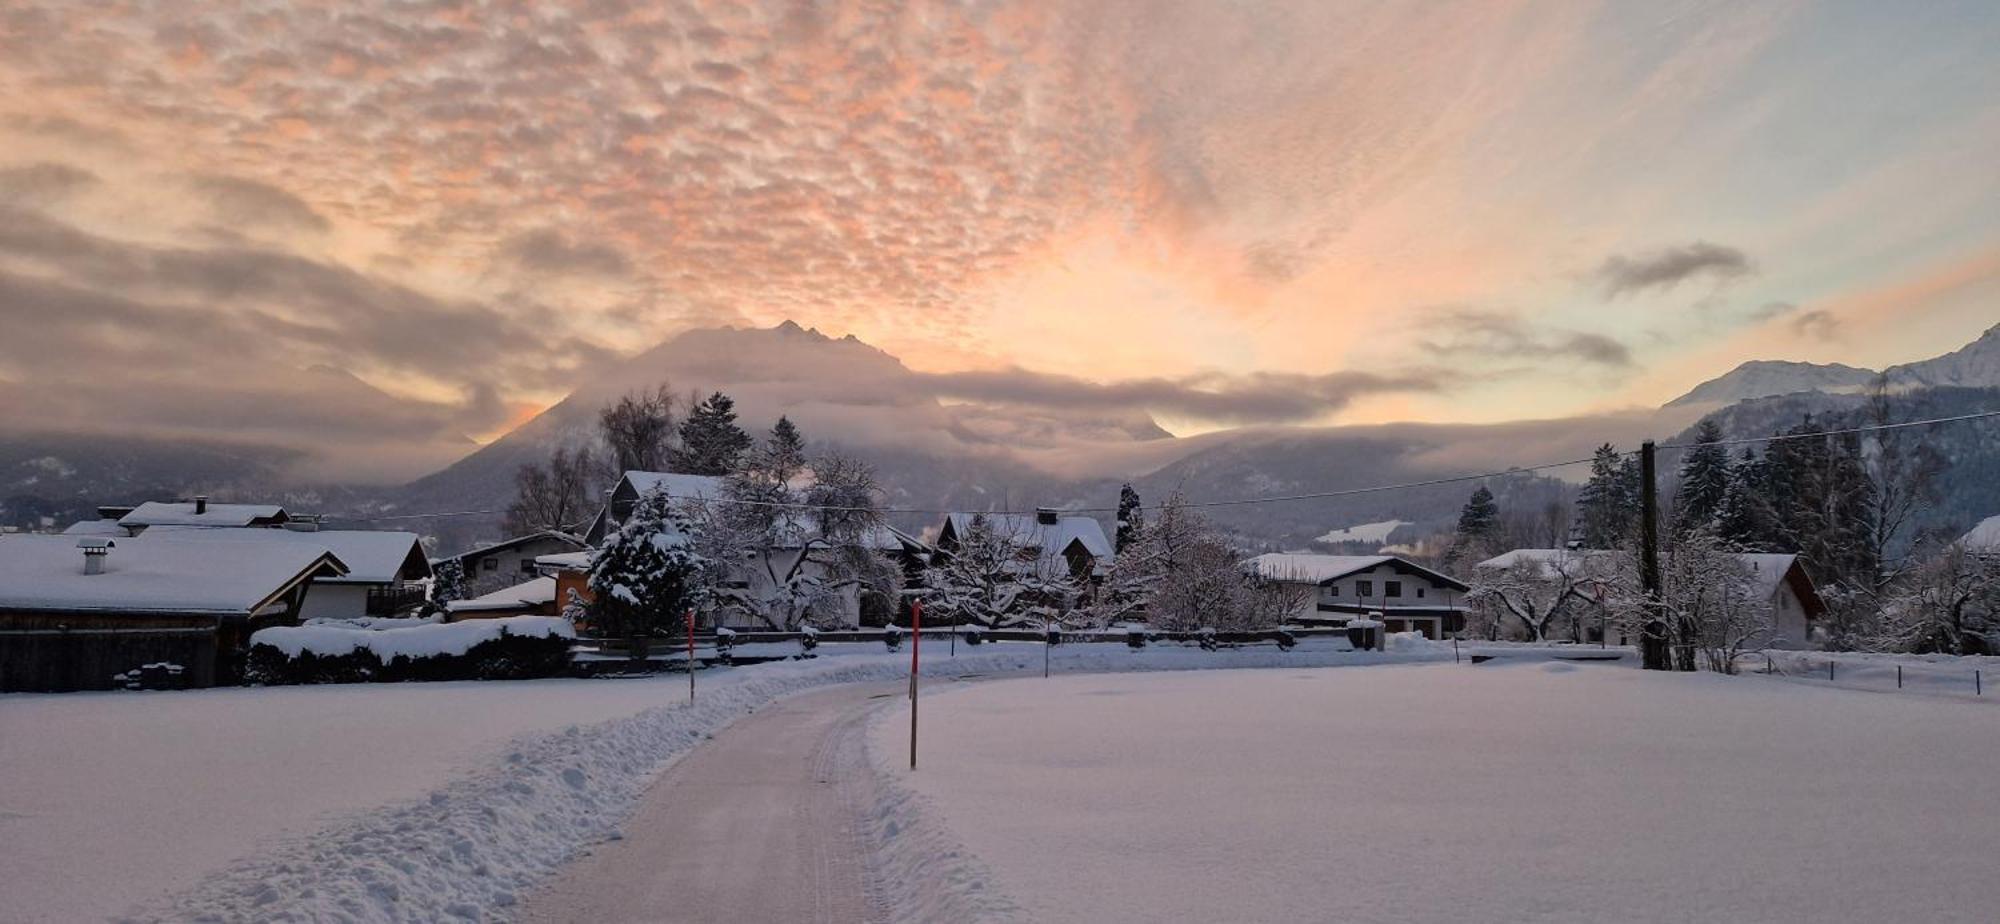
{"points": [[1409, 596]]}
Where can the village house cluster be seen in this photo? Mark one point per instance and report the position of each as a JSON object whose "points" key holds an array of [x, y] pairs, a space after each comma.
{"points": [[184, 584]]}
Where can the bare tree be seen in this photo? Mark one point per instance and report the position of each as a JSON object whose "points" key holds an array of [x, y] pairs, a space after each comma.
{"points": [[638, 429], [1904, 470], [1949, 604], [556, 496]]}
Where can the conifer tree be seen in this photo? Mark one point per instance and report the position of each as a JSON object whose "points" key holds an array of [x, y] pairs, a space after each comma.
{"points": [[1131, 519], [1607, 506], [648, 574], [1704, 481], [711, 442]]}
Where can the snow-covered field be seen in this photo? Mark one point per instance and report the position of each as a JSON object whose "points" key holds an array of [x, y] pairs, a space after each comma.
{"points": [[1510, 791], [413, 802]]}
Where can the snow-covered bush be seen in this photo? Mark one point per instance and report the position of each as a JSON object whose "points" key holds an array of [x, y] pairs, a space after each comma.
{"points": [[515, 648]]}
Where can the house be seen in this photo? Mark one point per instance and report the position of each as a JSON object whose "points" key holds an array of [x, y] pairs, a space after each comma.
{"points": [[1334, 588], [1776, 580], [386, 572], [1983, 540], [1046, 539], [633, 485], [131, 521], [76, 611], [501, 564], [535, 597]]}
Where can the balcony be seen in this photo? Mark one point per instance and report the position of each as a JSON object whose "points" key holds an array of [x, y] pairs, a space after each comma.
{"points": [[393, 599]]}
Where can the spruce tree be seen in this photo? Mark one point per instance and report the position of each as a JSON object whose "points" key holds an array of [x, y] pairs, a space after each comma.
{"points": [[648, 574], [447, 583], [1479, 519], [1131, 519], [1704, 481], [1607, 505], [711, 442], [1740, 520]]}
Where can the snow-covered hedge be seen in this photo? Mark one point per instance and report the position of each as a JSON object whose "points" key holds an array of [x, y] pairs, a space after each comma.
{"points": [[513, 648]]}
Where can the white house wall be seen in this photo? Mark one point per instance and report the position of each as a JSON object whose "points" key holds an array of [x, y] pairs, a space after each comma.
{"points": [[335, 601]]}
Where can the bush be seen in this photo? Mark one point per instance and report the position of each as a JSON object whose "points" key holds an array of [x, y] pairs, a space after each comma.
{"points": [[508, 657]]}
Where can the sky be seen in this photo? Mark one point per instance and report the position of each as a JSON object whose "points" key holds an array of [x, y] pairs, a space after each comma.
{"points": [[418, 223]]}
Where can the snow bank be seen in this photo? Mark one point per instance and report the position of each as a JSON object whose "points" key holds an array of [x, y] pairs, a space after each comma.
{"points": [[419, 641], [472, 846], [1598, 792]]}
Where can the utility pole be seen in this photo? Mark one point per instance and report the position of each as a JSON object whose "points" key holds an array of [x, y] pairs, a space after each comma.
{"points": [[1653, 644]]}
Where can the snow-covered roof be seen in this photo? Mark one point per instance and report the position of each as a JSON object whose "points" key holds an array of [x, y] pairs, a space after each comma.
{"points": [[1301, 567], [1983, 538], [371, 556], [1306, 568], [177, 513], [96, 528], [143, 575], [697, 487], [575, 561], [1026, 531], [539, 592], [504, 544]]}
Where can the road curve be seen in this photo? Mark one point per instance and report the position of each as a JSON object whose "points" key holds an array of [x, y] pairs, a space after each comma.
{"points": [[760, 824]]}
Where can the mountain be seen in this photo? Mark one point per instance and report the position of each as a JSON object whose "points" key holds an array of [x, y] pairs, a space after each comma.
{"points": [[1763, 378], [933, 454], [1975, 365]]}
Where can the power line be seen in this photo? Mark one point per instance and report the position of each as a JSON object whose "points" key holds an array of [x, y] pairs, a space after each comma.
{"points": [[1284, 498]]}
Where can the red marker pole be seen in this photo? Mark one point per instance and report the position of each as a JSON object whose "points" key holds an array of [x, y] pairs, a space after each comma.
{"points": [[916, 644], [690, 622]]}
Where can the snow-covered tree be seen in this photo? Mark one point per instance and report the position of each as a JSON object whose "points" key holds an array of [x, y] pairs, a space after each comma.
{"points": [[1949, 604], [1131, 517], [1607, 507], [1205, 589], [1704, 480], [980, 581], [447, 583], [1542, 594], [648, 575]]}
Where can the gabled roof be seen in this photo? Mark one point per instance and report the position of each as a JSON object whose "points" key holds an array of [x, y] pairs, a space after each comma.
{"points": [[371, 556], [1024, 530], [693, 487], [177, 513], [95, 528], [1321, 569], [1984, 538], [505, 544], [538, 592], [156, 576]]}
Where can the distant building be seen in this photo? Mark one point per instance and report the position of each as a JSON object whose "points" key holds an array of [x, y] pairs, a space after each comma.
{"points": [[131, 521], [77, 611], [1335, 588], [1778, 581], [1048, 539], [1983, 540], [633, 485], [509, 561]]}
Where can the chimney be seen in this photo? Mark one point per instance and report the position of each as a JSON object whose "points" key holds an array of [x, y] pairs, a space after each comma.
{"points": [[95, 550], [1046, 516], [200, 504]]}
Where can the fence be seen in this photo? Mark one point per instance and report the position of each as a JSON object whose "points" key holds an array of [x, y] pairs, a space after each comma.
{"points": [[1883, 673]]}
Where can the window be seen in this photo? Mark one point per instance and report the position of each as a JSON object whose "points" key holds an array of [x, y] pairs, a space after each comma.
{"points": [[1392, 588], [489, 564], [1364, 588], [1420, 593]]}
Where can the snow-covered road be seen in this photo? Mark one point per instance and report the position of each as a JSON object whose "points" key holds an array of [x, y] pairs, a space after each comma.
{"points": [[761, 824]]}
